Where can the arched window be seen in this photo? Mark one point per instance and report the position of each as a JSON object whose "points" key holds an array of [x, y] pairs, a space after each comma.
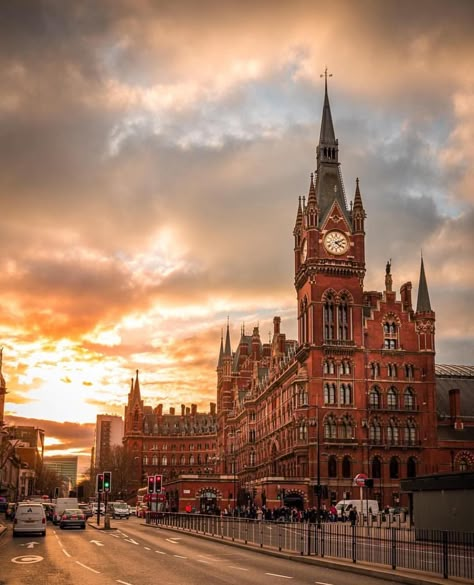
{"points": [[394, 468], [375, 432], [392, 398], [345, 368], [154, 460], [410, 433], [328, 316], [463, 464], [304, 321], [191, 460], [145, 460], [411, 467], [302, 432], [343, 318], [332, 466], [329, 393], [346, 428], [252, 458], [392, 432], [375, 370], [345, 394], [346, 467], [409, 399], [164, 461], [182, 460], [390, 332], [376, 468], [392, 370], [330, 428], [409, 372], [374, 398]]}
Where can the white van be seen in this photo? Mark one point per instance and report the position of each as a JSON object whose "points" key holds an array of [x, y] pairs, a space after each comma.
{"points": [[360, 505], [29, 517], [62, 504]]}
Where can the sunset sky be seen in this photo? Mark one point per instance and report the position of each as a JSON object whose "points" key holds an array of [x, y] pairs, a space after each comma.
{"points": [[152, 155]]}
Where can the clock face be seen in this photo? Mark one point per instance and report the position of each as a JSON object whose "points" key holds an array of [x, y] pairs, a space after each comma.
{"points": [[304, 251], [336, 242]]}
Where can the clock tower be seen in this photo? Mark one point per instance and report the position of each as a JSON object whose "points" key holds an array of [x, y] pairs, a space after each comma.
{"points": [[329, 249]]}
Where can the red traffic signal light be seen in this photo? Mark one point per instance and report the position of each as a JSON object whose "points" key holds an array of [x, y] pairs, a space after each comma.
{"points": [[100, 483], [151, 484], [158, 483]]}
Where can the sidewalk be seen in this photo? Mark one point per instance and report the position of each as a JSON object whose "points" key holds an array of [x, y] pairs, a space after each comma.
{"points": [[2, 528]]}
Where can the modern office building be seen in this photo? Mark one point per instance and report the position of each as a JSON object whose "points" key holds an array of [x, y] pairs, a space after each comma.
{"points": [[108, 433]]}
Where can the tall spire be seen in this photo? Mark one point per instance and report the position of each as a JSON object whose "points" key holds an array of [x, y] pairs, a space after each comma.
{"points": [[227, 350], [2, 379], [221, 351], [327, 135], [423, 304], [136, 387]]}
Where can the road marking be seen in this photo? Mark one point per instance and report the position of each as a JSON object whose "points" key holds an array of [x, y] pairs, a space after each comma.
{"points": [[147, 548], [124, 582], [27, 559], [172, 540], [97, 542], [322, 583], [238, 568], [160, 552], [86, 567], [65, 552], [275, 575], [206, 562], [180, 557], [30, 544], [130, 540]]}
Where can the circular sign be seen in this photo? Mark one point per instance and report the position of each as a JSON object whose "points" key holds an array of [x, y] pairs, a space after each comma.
{"points": [[27, 559], [359, 479]]}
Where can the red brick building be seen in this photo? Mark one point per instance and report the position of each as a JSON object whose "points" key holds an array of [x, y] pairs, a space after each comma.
{"points": [[356, 393]]}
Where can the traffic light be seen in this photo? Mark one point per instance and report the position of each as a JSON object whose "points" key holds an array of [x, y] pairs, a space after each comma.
{"points": [[107, 481], [100, 483], [151, 484], [158, 483]]}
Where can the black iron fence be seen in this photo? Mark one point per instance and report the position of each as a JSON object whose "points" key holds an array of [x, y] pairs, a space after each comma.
{"points": [[448, 554]]}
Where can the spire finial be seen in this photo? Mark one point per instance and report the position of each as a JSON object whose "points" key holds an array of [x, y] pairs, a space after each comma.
{"points": [[326, 75]]}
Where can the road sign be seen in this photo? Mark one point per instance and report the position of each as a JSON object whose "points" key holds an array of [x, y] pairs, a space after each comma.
{"points": [[359, 479]]}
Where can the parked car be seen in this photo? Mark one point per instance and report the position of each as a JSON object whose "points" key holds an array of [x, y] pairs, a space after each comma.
{"points": [[72, 517], [87, 510], [29, 517], [95, 505]]}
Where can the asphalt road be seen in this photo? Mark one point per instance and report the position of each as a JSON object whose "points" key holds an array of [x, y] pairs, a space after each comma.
{"points": [[134, 554]]}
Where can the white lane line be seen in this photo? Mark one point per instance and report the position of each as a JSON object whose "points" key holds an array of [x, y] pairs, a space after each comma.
{"points": [[238, 568], [86, 567], [160, 552], [180, 557], [147, 548], [172, 541], [123, 582], [322, 583], [130, 540], [65, 552], [205, 562], [275, 575]]}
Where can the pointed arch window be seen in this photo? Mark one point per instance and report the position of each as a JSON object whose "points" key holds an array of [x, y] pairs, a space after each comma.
{"points": [[302, 432], [304, 320], [392, 398], [154, 460], [374, 398], [409, 372], [375, 370], [392, 370], [330, 428], [345, 394], [410, 433], [164, 461], [145, 460], [332, 466], [346, 467], [328, 367], [329, 393], [392, 432], [344, 318], [346, 428], [375, 432], [409, 399], [329, 317]]}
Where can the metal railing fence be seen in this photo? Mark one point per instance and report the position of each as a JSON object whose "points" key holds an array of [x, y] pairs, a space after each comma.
{"points": [[448, 554]]}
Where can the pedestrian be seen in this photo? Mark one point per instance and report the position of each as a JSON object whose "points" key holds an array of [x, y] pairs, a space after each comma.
{"points": [[353, 515]]}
